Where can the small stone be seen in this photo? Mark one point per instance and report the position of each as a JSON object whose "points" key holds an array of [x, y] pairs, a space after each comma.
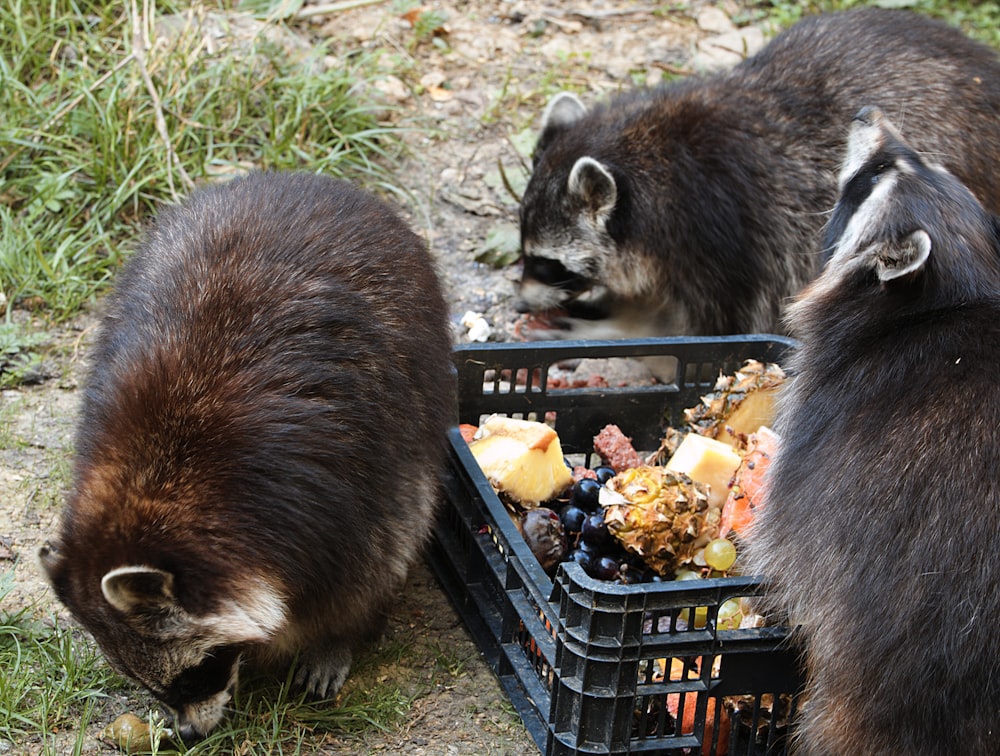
{"points": [[714, 20]]}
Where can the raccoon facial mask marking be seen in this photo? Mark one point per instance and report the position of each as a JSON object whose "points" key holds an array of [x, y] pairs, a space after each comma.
{"points": [[189, 662], [874, 166], [198, 696], [553, 273], [145, 596]]}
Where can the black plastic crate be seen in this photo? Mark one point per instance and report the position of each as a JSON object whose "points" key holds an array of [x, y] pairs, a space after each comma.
{"points": [[596, 667]]}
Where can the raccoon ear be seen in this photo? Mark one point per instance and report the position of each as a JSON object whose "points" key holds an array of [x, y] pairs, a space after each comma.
{"points": [[895, 260], [594, 184], [50, 559], [139, 590], [563, 110]]}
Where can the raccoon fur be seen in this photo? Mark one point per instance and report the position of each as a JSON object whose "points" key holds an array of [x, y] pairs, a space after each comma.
{"points": [[695, 208], [257, 456], [879, 530]]}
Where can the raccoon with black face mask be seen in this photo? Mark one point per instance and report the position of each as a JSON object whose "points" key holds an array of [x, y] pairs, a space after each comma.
{"points": [[695, 208], [256, 461], [879, 529]]}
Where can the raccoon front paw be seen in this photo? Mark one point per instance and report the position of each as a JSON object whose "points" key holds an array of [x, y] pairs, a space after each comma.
{"points": [[321, 672]]}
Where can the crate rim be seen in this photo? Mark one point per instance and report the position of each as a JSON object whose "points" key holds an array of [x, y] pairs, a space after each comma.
{"points": [[612, 347]]}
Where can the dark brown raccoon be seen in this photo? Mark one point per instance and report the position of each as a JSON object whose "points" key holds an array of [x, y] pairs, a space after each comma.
{"points": [[260, 439], [695, 208], [879, 531]]}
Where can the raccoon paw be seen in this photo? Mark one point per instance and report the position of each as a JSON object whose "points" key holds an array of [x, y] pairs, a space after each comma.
{"points": [[321, 672]]}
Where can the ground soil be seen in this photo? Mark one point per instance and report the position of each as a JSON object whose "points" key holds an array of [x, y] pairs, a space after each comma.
{"points": [[476, 78]]}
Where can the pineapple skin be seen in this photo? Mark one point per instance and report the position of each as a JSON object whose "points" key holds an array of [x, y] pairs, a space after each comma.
{"points": [[738, 404], [660, 515]]}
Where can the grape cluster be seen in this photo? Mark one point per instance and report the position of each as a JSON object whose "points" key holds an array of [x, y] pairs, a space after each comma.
{"points": [[573, 529], [591, 545]]}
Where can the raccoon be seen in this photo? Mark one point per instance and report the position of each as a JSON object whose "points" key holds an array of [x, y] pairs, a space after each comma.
{"points": [[257, 453], [879, 528], [695, 208]]}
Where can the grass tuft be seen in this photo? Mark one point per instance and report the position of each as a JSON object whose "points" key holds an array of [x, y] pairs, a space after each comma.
{"points": [[50, 682], [108, 113]]}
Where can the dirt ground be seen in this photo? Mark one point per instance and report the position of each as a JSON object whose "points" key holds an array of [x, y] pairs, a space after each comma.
{"points": [[478, 78]]}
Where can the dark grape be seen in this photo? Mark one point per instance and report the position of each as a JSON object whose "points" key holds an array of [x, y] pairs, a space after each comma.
{"points": [[572, 517], [583, 558], [595, 532], [584, 494], [605, 568], [588, 547], [604, 473]]}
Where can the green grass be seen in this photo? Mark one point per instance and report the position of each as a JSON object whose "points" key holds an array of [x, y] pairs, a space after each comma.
{"points": [[55, 681], [90, 145], [267, 718], [978, 19], [50, 680], [18, 353]]}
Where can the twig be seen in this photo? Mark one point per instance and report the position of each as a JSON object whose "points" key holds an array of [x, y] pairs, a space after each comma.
{"points": [[322, 10], [139, 49], [506, 181], [616, 13]]}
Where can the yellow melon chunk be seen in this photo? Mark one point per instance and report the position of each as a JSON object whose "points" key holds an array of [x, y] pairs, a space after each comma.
{"points": [[707, 461], [522, 459]]}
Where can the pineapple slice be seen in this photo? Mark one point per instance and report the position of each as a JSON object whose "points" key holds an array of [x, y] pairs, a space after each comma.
{"points": [[522, 459], [662, 516], [708, 461], [739, 404]]}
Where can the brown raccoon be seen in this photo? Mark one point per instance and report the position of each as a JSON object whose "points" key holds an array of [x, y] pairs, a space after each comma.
{"points": [[879, 531], [260, 436], [695, 208]]}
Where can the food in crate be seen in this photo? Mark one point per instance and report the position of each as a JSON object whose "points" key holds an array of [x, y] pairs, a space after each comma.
{"points": [[522, 459], [675, 512], [739, 404]]}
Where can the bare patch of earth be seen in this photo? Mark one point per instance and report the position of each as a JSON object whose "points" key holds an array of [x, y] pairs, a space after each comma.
{"points": [[475, 83]]}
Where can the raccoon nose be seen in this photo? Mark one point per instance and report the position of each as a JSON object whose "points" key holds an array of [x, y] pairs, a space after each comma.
{"points": [[188, 734], [184, 730]]}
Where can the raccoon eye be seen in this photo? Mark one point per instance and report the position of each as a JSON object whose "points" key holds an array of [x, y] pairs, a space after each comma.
{"points": [[552, 273]]}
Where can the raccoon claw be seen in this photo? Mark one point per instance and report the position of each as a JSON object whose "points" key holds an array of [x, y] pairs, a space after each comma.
{"points": [[321, 674]]}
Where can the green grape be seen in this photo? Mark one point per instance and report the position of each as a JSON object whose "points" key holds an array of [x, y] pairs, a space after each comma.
{"points": [[730, 615], [720, 554], [700, 612]]}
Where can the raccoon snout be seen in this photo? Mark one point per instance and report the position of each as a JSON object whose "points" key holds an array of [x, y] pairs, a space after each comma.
{"points": [[188, 734], [194, 721], [189, 731]]}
